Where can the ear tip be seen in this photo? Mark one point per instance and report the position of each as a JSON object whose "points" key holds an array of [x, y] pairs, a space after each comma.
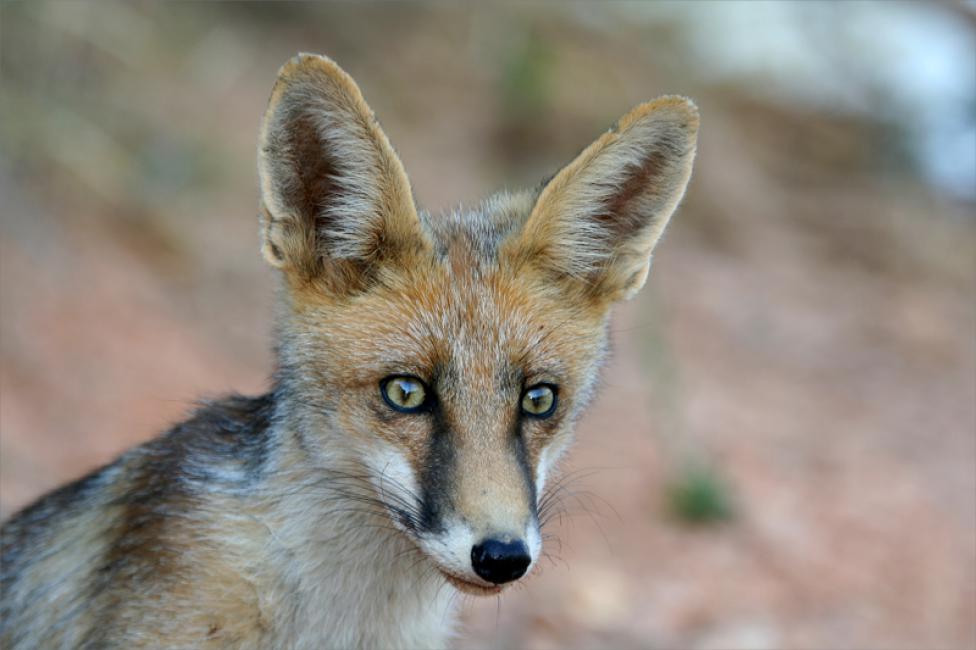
{"points": [[677, 108], [307, 73], [309, 62], [680, 103]]}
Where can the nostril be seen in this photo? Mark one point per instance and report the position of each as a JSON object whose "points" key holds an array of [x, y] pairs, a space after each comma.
{"points": [[500, 562]]}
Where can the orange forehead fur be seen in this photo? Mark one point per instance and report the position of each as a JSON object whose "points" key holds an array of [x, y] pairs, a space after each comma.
{"points": [[432, 314]]}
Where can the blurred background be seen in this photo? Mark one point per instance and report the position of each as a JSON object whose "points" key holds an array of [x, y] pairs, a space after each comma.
{"points": [[784, 451]]}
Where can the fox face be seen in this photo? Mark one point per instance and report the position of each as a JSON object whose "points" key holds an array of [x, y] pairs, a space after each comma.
{"points": [[452, 354]]}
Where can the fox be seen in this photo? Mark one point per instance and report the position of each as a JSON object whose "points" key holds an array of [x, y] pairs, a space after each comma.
{"points": [[429, 374]]}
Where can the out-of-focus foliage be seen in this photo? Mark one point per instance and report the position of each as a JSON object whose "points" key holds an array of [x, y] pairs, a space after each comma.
{"points": [[698, 495]]}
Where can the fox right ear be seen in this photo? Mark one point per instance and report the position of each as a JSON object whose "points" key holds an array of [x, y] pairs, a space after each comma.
{"points": [[595, 224], [335, 199]]}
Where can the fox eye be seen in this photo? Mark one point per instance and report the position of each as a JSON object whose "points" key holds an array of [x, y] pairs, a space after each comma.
{"points": [[403, 393], [539, 401]]}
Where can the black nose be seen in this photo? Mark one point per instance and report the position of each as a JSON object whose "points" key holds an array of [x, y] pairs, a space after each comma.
{"points": [[500, 562]]}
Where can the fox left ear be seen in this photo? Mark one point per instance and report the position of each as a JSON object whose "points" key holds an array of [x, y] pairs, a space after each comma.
{"points": [[597, 221], [336, 203]]}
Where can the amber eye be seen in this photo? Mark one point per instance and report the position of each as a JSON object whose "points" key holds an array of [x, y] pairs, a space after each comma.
{"points": [[539, 401], [404, 394]]}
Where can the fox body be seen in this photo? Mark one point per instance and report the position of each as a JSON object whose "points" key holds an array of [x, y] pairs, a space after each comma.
{"points": [[430, 371]]}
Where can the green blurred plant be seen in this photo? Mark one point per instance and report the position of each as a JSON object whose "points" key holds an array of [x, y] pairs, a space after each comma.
{"points": [[526, 77], [699, 495]]}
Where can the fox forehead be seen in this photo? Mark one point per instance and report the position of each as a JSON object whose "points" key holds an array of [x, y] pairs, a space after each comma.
{"points": [[462, 314]]}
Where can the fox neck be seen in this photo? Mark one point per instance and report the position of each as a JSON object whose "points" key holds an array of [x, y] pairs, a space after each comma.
{"points": [[341, 569]]}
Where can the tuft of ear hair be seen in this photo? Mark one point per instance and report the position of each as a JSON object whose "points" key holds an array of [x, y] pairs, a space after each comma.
{"points": [[334, 196], [595, 224]]}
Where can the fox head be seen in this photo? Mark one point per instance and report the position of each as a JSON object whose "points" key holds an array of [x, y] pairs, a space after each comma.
{"points": [[452, 354]]}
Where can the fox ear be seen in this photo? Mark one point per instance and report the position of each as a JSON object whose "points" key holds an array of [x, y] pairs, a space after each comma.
{"points": [[335, 200], [596, 222]]}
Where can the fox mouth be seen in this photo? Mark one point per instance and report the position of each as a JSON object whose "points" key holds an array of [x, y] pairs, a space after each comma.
{"points": [[471, 588], [463, 585]]}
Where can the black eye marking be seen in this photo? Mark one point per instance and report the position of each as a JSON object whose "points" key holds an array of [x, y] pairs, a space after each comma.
{"points": [[539, 401], [405, 394]]}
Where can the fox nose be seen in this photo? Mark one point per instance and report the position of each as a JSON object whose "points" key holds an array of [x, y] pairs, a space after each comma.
{"points": [[500, 562]]}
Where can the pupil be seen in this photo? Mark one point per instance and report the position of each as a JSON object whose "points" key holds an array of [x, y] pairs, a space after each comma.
{"points": [[407, 391], [538, 400], [404, 393]]}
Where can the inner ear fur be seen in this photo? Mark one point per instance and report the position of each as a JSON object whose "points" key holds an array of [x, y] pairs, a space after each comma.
{"points": [[595, 224], [335, 200]]}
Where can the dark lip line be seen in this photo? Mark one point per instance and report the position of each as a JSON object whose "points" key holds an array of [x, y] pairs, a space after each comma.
{"points": [[462, 583], [457, 581]]}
